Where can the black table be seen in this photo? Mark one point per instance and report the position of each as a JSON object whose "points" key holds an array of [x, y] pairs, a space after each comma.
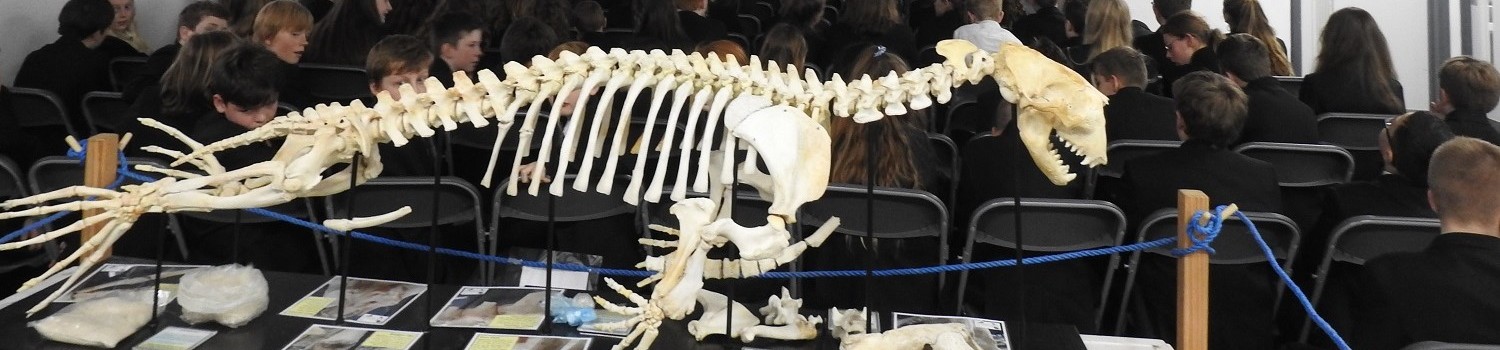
{"points": [[271, 330]]}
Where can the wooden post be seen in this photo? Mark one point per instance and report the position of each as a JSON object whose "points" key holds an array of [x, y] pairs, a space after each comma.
{"points": [[1192, 277], [99, 165]]}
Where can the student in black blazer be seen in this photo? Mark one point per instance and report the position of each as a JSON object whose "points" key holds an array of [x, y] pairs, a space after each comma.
{"points": [[1275, 115], [1406, 146], [1211, 111], [1469, 88], [1131, 113], [1047, 22], [1449, 292], [71, 67], [694, 18]]}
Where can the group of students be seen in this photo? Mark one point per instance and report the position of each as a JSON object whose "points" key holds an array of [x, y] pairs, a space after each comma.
{"points": [[234, 61]]}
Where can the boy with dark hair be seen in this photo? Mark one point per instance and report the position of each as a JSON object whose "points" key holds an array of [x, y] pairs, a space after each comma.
{"points": [[527, 37], [197, 18], [1210, 112], [1120, 73], [243, 88], [589, 20], [456, 40], [70, 67], [243, 91], [1447, 291], [1468, 89], [1275, 114]]}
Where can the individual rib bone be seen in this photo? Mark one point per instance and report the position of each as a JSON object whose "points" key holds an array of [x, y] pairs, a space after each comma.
{"points": [[572, 64], [352, 224], [645, 77], [653, 192], [721, 100], [600, 74], [528, 127], [659, 94], [606, 106], [679, 190]]}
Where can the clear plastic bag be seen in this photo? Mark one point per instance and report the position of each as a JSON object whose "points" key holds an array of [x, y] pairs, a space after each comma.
{"points": [[100, 322], [231, 295]]}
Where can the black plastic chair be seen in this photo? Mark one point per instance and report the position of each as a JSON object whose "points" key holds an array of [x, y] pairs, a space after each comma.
{"points": [[123, 69], [1303, 165], [744, 42], [57, 172], [42, 108], [571, 206], [458, 203], [763, 11], [750, 25], [11, 188], [1354, 132], [1292, 84], [1057, 225], [334, 83], [900, 216], [105, 110], [1121, 151], [949, 159], [1361, 238], [1436, 345], [1233, 246]]}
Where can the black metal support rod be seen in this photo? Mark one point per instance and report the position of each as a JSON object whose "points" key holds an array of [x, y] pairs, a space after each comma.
{"points": [[161, 248], [872, 140], [551, 249], [348, 240], [1015, 182], [734, 194], [432, 241], [234, 254]]}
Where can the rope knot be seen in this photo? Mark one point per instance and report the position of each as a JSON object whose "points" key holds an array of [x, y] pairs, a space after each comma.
{"points": [[1203, 229]]}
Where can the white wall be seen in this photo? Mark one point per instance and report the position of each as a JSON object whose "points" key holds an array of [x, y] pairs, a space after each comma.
{"points": [[30, 24]]}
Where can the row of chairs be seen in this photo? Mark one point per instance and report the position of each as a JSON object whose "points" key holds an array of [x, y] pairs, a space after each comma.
{"points": [[1054, 225]]}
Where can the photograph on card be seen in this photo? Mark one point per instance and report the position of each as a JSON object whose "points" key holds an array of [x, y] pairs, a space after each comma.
{"points": [[519, 308], [529, 276], [988, 334], [113, 277], [368, 301], [488, 341], [325, 337]]}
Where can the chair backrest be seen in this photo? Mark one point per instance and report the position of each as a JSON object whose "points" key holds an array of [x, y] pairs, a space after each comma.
{"points": [[1292, 84], [750, 25], [105, 110], [949, 160], [334, 83], [123, 69], [1234, 244], [37, 107], [1121, 151], [1355, 132], [58, 172], [1052, 225], [458, 201], [1303, 165], [763, 11], [11, 180], [1437, 345], [899, 212], [571, 206], [1365, 237]]}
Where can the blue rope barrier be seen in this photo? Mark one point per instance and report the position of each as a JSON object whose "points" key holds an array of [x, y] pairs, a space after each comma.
{"points": [[1307, 305], [1202, 235]]}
